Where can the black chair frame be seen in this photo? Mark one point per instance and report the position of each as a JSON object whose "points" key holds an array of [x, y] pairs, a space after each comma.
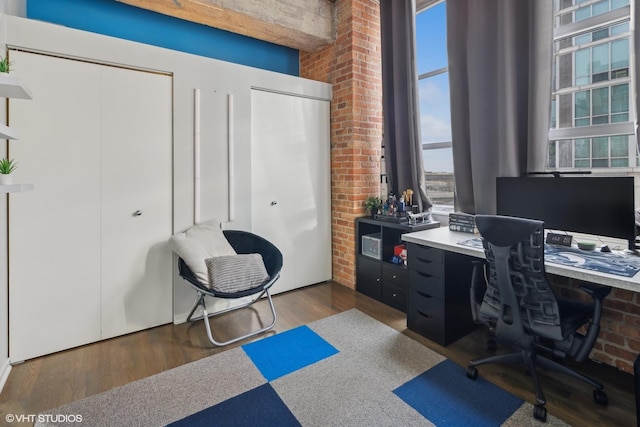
{"points": [[243, 242], [511, 295]]}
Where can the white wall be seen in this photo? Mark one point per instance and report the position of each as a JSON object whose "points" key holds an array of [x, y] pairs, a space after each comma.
{"points": [[189, 72]]}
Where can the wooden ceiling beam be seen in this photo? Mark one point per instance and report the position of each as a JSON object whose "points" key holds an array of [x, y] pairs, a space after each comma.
{"points": [[307, 25]]}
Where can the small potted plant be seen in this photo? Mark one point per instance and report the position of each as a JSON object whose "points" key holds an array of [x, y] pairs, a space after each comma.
{"points": [[6, 167], [5, 65], [373, 204]]}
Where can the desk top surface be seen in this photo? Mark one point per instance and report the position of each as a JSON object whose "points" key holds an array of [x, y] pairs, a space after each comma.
{"points": [[443, 238]]}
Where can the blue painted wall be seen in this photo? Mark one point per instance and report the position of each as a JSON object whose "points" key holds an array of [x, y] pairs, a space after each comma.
{"points": [[120, 20]]}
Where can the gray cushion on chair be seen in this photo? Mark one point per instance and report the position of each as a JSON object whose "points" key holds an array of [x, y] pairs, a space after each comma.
{"points": [[234, 273], [198, 243]]}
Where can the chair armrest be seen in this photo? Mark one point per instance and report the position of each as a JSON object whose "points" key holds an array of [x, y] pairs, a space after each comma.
{"points": [[597, 292], [478, 288]]}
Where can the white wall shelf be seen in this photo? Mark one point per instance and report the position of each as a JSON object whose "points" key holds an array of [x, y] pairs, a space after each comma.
{"points": [[15, 188], [7, 133], [12, 87]]}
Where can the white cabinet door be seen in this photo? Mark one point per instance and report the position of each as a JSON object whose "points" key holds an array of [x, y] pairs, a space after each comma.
{"points": [[54, 233], [290, 193], [312, 189], [97, 147], [136, 200]]}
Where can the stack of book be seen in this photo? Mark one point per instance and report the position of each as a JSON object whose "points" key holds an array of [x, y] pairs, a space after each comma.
{"points": [[460, 221]]}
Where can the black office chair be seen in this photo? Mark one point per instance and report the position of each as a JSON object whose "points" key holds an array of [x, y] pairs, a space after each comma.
{"points": [[242, 242], [515, 301]]}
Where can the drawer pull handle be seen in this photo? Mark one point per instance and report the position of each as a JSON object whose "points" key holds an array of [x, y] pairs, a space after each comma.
{"points": [[428, 316], [426, 261], [394, 295], [424, 274], [422, 294], [394, 277], [377, 279]]}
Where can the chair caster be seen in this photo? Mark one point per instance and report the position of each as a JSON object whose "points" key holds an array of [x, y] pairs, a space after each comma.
{"points": [[472, 372], [600, 397], [540, 413]]}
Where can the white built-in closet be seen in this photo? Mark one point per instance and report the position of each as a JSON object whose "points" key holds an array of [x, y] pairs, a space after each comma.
{"points": [[88, 258], [290, 183]]}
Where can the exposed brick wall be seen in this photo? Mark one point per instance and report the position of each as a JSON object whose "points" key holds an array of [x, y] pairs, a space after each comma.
{"points": [[618, 343], [353, 66]]}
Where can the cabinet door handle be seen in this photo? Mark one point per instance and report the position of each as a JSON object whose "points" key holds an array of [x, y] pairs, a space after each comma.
{"points": [[394, 277], [422, 294], [273, 203], [428, 316], [377, 279], [137, 213]]}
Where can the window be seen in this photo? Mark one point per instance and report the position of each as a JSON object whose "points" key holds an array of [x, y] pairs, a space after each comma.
{"points": [[435, 111], [591, 108]]}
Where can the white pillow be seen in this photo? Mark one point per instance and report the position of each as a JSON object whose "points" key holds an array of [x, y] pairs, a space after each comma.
{"points": [[236, 273], [202, 241]]}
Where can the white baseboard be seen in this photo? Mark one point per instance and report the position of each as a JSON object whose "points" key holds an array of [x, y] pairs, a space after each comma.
{"points": [[4, 373]]}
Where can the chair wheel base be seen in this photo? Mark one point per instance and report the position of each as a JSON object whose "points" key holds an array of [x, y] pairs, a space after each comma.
{"points": [[472, 372], [492, 345], [540, 413], [600, 397]]}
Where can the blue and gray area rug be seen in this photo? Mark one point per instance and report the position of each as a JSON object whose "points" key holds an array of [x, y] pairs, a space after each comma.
{"points": [[344, 370]]}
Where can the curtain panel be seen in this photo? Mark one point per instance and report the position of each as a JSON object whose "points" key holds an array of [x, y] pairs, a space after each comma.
{"points": [[500, 59], [402, 141], [635, 22]]}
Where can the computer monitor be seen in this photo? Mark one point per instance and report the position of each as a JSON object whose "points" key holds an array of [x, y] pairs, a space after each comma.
{"points": [[602, 206]]}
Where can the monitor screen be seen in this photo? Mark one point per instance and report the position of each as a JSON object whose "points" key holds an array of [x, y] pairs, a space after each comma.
{"points": [[603, 206]]}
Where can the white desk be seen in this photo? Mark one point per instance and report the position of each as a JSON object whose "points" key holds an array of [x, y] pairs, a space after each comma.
{"points": [[443, 238]]}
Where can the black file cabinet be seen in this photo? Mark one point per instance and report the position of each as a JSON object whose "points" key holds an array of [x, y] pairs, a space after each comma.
{"points": [[438, 305], [376, 275]]}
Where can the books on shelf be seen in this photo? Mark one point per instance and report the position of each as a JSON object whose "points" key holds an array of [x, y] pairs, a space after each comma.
{"points": [[464, 222]]}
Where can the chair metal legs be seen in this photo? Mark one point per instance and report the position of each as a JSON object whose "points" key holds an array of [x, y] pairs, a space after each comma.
{"points": [[200, 301]]}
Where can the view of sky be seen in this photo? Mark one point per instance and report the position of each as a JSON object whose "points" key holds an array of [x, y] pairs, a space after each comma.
{"points": [[435, 117]]}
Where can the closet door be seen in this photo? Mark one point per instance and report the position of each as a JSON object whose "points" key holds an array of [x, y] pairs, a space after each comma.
{"points": [[136, 133], [88, 253], [290, 194], [312, 187], [54, 231], [272, 179]]}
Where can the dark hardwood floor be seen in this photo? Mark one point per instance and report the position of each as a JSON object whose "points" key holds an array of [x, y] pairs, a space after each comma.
{"points": [[49, 381]]}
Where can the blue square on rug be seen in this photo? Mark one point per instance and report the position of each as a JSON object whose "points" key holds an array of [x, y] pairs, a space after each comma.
{"points": [[288, 351], [446, 397], [258, 407]]}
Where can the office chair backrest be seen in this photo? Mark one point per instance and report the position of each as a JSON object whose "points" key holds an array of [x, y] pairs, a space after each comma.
{"points": [[518, 297]]}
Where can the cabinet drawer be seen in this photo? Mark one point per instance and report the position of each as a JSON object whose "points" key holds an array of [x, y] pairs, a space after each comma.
{"points": [[425, 315], [424, 253], [426, 260], [396, 276], [395, 297], [426, 284], [428, 268]]}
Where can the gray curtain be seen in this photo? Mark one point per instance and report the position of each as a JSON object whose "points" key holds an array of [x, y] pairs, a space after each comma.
{"points": [[500, 55], [402, 142], [635, 10]]}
